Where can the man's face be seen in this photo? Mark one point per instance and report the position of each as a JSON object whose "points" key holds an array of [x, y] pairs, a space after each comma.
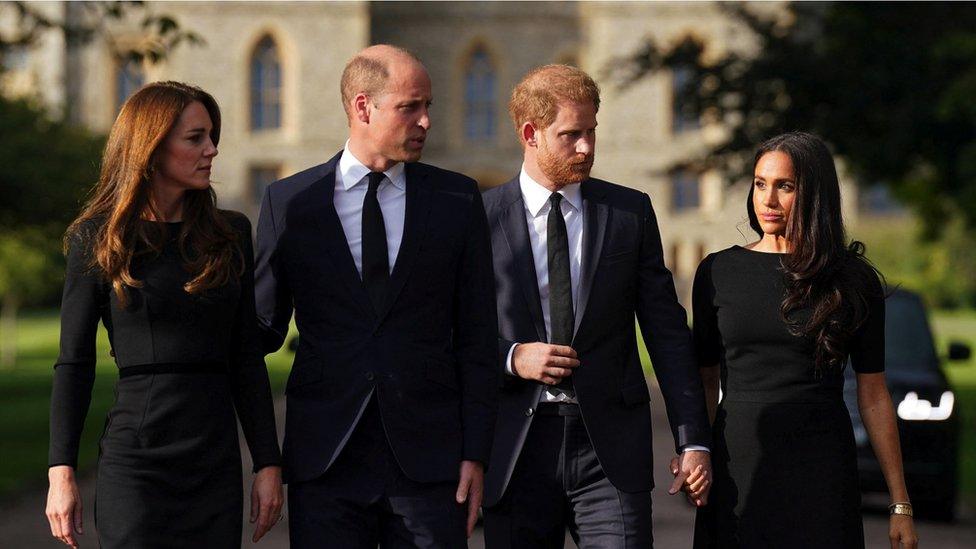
{"points": [[566, 149], [399, 117]]}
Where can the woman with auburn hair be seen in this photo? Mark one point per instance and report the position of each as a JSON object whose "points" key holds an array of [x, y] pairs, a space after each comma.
{"points": [[171, 278], [776, 321]]}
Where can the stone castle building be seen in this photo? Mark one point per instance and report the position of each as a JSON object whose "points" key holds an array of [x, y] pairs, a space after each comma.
{"points": [[274, 68]]}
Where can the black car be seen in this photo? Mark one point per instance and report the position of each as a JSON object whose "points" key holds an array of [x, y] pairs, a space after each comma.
{"points": [[928, 420]]}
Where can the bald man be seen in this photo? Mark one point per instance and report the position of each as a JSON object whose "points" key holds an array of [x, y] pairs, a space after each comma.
{"points": [[386, 263]]}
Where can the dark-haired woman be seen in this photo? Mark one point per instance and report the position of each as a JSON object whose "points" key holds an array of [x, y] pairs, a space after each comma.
{"points": [[171, 278], [776, 322]]}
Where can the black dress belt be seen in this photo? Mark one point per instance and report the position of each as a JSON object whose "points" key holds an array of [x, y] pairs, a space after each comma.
{"points": [[174, 368], [558, 409]]}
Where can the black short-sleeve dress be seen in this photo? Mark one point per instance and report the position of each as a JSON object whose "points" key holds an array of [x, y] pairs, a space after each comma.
{"points": [[784, 457], [169, 466]]}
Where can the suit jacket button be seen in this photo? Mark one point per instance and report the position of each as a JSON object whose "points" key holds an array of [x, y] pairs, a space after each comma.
{"points": [[529, 411], [370, 376]]}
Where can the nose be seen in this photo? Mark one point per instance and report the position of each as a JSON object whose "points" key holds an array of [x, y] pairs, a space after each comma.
{"points": [[424, 121], [211, 150], [769, 198], [585, 145]]}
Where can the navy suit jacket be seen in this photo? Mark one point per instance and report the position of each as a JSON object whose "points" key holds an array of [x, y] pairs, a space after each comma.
{"points": [[427, 355], [622, 275]]}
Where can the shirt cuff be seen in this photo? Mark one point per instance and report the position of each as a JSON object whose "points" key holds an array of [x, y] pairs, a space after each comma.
{"points": [[508, 361], [695, 447]]}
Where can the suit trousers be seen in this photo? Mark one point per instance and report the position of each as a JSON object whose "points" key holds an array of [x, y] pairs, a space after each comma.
{"points": [[558, 483], [364, 500]]}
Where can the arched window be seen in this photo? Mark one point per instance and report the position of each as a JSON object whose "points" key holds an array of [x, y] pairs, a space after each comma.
{"points": [[128, 78], [479, 97], [682, 119], [685, 190], [265, 86]]}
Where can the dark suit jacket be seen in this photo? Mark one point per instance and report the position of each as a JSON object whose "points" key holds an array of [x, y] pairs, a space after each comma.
{"points": [[428, 355], [622, 274]]}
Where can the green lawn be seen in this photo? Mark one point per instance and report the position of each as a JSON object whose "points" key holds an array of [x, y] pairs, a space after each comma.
{"points": [[25, 397], [25, 393], [961, 327]]}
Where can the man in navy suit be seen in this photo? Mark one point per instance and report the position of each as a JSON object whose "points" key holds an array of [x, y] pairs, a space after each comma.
{"points": [[575, 259], [386, 263]]}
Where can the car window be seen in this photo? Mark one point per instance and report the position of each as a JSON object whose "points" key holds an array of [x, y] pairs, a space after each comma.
{"points": [[908, 339]]}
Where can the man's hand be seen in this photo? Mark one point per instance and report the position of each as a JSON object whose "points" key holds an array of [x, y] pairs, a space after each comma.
{"points": [[471, 489], [267, 498], [63, 505], [544, 362], [692, 474]]}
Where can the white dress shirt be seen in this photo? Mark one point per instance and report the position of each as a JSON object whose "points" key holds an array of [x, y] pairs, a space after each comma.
{"points": [[537, 206], [350, 191]]}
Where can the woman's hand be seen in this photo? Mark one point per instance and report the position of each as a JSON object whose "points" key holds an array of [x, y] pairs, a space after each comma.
{"points": [[267, 497], [901, 532], [63, 504]]}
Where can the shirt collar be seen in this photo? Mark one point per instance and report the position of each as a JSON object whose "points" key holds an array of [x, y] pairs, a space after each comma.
{"points": [[536, 196], [353, 172]]}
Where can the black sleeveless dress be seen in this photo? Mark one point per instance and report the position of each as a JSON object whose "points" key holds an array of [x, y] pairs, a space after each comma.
{"points": [[784, 457], [169, 468]]}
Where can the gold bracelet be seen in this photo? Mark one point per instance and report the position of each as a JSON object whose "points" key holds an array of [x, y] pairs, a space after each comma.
{"points": [[900, 508]]}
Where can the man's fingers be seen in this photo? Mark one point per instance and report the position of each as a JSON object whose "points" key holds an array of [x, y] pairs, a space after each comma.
{"points": [[558, 373], [562, 362], [472, 516], [463, 485], [563, 350], [678, 483], [255, 505], [263, 522]]}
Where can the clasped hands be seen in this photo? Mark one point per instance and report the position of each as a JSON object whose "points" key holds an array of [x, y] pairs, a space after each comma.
{"points": [[549, 364], [692, 472]]}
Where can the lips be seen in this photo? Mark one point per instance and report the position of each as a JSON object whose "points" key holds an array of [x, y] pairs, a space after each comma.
{"points": [[771, 217]]}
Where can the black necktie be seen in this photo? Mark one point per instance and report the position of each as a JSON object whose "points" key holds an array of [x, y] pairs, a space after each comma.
{"points": [[561, 318], [376, 260]]}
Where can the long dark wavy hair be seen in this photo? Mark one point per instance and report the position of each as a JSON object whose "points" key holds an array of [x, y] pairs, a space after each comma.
{"points": [[121, 198], [824, 274]]}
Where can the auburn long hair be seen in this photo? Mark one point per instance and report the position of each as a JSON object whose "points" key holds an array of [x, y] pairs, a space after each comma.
{"points": [[208, 244], [823, 273]]}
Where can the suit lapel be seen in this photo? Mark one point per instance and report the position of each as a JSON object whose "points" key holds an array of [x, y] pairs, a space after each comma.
{"points": [[516, 231], [334, 238], [414, 226], [594, 233]]}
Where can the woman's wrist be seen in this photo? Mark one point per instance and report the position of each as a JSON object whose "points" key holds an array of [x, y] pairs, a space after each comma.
{"points": [[901, 508], [60, 472]]}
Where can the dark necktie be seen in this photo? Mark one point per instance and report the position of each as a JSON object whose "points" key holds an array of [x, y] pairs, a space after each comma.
{"points": [[376, 260], [561, 318]]}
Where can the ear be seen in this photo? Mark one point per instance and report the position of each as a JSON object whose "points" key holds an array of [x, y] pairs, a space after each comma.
{"points": [[528, 133], [360, 107]]}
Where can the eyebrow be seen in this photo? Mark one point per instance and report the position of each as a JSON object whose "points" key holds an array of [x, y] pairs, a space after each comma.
{"points": [[775, 179]]}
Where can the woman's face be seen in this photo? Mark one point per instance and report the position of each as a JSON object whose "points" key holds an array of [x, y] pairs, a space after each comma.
{"points": [[773, 192], [186, 155]]}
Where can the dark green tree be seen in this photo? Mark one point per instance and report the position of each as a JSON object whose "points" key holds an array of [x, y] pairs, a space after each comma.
{"points": [[889, 85], [47, 165]]}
